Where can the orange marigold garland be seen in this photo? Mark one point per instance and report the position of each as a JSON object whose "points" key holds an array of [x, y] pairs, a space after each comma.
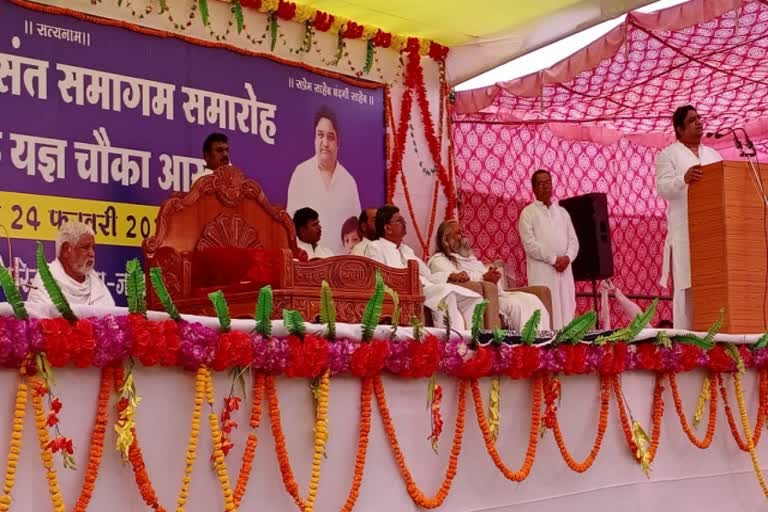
{"points": [[745, 424], [434, 400], [253, 439], [136, 459], [14, 449], [416, 494], [533, 439], [97, 440], [711, 424], [366, 397], [761, 412], [218, 440], [644, 456], [41, 423], [580, 467]]}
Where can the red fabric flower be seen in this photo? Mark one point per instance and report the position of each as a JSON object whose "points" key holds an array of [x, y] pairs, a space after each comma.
{"points": [[352, 31], [613, 359], [68, 343], [423, 357], [648, 357], [369, 358], [438, 52], [154, 343], [720, 361], [56, 406], [746, 355], [382, 39], [689, 358], [479, 366], [286, 10], [307, 358], [322, 21], [575, 356], [233, 349], [413, 46], [255, 4], [524, 362]]}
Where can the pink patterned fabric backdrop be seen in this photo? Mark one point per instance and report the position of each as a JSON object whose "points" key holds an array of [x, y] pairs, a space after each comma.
{"points": [[493, 164]]}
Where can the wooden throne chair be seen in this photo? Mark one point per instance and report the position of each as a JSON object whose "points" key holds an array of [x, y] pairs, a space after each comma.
{"points": [[225, 235]]}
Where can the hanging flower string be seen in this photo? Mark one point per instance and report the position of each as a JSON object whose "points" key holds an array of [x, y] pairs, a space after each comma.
{"points": [[751, 448], [14, 448], [434, 400], [257, 397], [366, 397], [711, 423], [126, 409], [46, 454], [59, 444], [218, 453], [201, 379], [761, 412]]}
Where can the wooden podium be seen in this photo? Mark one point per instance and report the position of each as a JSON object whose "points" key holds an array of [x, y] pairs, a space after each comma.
{"points": [[727, 232]]}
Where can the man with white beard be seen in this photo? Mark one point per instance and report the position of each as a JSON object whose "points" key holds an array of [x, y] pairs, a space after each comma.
{"points": [[390, 250], [73, 269], [454, 254]]}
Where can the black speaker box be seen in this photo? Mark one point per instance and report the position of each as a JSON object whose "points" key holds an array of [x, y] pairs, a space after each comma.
{"points": [[589, 214]]}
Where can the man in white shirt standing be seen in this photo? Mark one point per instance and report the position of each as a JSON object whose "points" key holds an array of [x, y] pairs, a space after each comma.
{"points": [[367, 225], [454, 254], [215, 154], [323, 184], [390, 250], [550, 245], [677, 167], [309, 232], [73, 269]]}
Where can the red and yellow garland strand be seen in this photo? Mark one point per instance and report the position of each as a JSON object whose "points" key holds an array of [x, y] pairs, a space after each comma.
{"points": [[761, 412], [711, 424], [253, 439], [217, 438], [45, 453]]}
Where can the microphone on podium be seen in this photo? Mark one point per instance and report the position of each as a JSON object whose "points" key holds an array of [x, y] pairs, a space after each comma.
{"points": [[725, 131]]}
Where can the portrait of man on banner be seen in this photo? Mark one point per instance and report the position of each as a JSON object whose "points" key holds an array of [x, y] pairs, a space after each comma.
{"points": [[323, 184]]}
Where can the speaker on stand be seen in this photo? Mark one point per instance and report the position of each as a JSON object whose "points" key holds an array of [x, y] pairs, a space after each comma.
{"points": [[589, 214]]}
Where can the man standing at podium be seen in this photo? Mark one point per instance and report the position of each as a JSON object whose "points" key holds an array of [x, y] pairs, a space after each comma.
{"points": [[678, 166]]}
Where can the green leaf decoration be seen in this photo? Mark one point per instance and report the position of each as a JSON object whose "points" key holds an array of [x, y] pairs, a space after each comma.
{"points": [[498, 336], [418, 328], [158, 284], [710, 337], [163, 6], [442, 307], [328, 309], [264, 312], [574, 332], [294, 323], [692, 339], [630, 332], [12, 294], [478, 314], [309, 33], [237, 10], [531, 327], [52, 287], [204, 15], [761, 343], [736, 356], [222, 309], [339, 49], [372, 312], [237, 374], [272, 30], [663, 339], [136, 287], [396, 308], [370, 51]]}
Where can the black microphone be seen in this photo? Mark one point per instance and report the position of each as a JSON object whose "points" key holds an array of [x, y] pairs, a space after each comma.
{"points": [[725, 131]]}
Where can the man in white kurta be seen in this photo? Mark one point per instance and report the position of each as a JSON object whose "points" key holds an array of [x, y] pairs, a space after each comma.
{"points": [[551, 245], [455, 255], [73, 270], [678, 166], [308, 233], [390, 250], [323, 184]]}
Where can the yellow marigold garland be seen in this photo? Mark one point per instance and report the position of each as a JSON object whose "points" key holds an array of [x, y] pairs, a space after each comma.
{"points": [[494, 402], [14, 450], [748, 430], [45, 453], [218, 452], [321, 436], [702, 401], [126, 421], [194, 436]]}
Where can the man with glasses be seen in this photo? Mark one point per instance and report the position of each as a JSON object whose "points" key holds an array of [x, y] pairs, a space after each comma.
{"points": [[550, 246]]}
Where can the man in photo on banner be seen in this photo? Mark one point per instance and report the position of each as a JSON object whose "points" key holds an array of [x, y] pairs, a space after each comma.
{"points": [[438, 287], [678, 166], [73, 269], [323, 184], [215, 154], [551, 245]]}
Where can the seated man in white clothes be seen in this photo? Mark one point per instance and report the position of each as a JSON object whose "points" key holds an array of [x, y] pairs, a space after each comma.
{"points": [[309, 232], [390, 250], [454, 254], [215, 154], [366, 223], [73, 269]]}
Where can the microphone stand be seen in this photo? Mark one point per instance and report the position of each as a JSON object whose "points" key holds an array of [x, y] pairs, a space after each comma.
{"points": [[750, 153]]}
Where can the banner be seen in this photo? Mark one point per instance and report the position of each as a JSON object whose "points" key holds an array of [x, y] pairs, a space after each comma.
{"points": [[101, 124]]}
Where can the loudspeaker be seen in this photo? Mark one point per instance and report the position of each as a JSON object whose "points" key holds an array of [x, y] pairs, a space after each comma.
{"points": [[589, 214]]}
